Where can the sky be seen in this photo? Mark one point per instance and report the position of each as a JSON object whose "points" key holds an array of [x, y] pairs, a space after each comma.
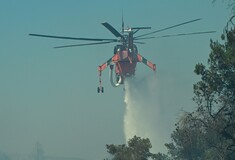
{"points": [[50, 95]]}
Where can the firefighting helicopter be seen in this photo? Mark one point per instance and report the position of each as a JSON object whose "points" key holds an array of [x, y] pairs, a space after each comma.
{"points": [[126, 54]]}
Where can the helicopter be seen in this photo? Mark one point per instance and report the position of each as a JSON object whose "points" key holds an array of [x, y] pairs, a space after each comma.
{"points": [[126, 55]]}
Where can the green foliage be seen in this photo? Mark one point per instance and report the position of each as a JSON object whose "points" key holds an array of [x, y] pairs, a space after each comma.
{"points": [[161, 156], [209, 131], [136, 149], [230, 4]]}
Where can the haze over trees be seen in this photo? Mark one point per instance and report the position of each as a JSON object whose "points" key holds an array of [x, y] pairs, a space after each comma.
{"points": [[209, 131]]}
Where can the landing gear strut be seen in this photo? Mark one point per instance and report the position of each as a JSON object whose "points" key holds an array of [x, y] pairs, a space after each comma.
{"points": [[100, 89]]}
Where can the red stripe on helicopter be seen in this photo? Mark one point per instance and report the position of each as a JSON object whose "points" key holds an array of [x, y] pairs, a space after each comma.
{"points": [[102, 67], [151, 65], [139, 58]]}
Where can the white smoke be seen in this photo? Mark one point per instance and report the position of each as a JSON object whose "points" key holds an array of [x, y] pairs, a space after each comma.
{"points": [[143, 116]]}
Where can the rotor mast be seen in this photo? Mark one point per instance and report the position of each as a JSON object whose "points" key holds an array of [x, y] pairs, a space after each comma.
{"points": [[129, 39]]}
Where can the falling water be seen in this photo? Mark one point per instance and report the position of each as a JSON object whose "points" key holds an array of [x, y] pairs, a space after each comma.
{"points": [[143, 114]]}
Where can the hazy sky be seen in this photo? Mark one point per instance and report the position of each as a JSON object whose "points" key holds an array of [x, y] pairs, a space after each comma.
{"points": [[49, 95]]}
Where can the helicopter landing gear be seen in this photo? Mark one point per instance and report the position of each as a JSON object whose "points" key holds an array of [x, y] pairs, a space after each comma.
{"points": [[100, 89]]}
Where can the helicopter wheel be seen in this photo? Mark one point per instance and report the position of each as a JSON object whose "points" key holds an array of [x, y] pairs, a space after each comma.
{"points": [[100, 89]]}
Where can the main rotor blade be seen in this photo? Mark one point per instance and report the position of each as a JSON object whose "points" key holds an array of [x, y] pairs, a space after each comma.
{"points": [[177, 25], [183, 34], [113, 30], [84, 44], [73, 38], [143, 38], [140, 42]]}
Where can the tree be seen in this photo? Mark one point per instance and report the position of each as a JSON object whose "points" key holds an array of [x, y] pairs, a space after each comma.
{"points": [[136, 149], [209, 131], [231, 4]]}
